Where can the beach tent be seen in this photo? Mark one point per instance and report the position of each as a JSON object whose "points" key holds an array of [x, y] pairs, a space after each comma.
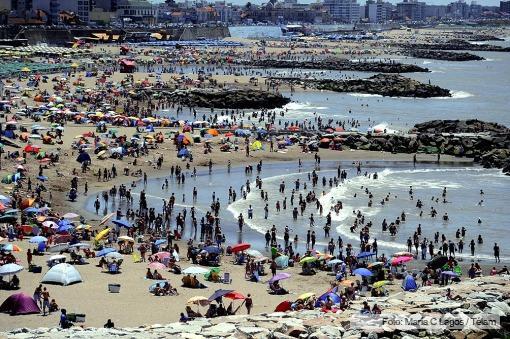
{"points": [[183, 153], [409, 284], [63, 274], [282, 261], [19, 303]]}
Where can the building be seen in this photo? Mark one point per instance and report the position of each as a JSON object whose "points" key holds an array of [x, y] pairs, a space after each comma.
{"points": [[411, 10], [435, 11], [347, 11], [458, 10], [504, 6], [140, 11], [378, 12]]}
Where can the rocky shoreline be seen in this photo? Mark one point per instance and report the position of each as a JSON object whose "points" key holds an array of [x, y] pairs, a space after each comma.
{"points": [[455, 45], [226, 98], [482, 298], [390, 85], [442, 55], [337, 65]]}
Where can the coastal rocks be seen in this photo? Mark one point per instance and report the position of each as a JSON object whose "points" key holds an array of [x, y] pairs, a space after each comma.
{"points": [[456, 45], [442, 55], [497, 158], [391, 85], [459, 126], [226, 98], [336, 65]]}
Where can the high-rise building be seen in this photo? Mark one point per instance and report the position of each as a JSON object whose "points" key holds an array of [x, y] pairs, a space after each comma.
{"points": [[504, 6], [379, 11], [137, 11], [411, 10], [343, 10], [458, 10]]}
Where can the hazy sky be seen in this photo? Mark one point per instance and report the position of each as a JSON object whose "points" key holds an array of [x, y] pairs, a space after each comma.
{"points": [[362, 2]]}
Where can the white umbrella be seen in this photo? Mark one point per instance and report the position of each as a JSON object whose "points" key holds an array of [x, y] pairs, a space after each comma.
{"points": [[63, 274], [58, 247], [114, 255], [57, 257], [254, 253], [81, 245], [70, 215], [9, 269], [49, 223], [195, 270]]}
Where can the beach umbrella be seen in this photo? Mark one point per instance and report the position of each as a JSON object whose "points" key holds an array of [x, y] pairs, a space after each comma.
{"points": [[400, 260], [50, 223], [307, 260], [346, 282], [234, 296], [240, 247], [218, 294], [37, 239], [122, 223], [254, 253], [334, 262], [212, 249], [162, 255], [157, 265], [58, 247], [403, 254], [195, 270], [380, 283], [198, 300], [114, 255], [106, 218], [11, 248], [279, 276], [102, 234], [30, 210], [305, 296], [42, 177], [8, 218], [365, 255], [63, 274], [57, 257], [160, 242], [363, 272], [80, 245], [450, 273], [70, 215], [158, 283], [83, 227], [105, 251], [282, 261], [284, 306], [126, 238], [437, 262], [9, 269], [335, 298]]}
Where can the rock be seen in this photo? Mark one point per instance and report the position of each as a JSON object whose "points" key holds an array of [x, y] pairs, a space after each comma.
{"points": [[454, 45], [337, 65], [296, 331], [332, 331], [460, 126], [223, 328], [458, 335], [251, 330], [501, 305]]}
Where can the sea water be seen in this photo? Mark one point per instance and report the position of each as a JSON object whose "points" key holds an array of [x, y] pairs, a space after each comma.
{"points": [[462, 183]]}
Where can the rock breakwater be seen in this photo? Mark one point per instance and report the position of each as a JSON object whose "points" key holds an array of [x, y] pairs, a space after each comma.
{"points": [[442, 55], [456, 45]]}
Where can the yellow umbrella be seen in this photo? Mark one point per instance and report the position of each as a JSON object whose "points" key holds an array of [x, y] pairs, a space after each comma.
{"points": [[74, 65], [101, 154], [25, 69], [305, 296], [380, 283], [102, 234], [126, 238], [82, 227]]}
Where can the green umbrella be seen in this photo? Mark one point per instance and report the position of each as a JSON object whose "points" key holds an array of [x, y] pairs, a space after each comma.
{"points": [[307, 260]]}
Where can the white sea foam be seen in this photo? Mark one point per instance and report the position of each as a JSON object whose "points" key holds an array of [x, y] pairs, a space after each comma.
{"points": [[365, 95], [298, 106]]}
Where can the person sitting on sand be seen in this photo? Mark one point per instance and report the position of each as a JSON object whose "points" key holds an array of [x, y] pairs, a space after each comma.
{"points": [[157, 275], [149, 275], [450, 296], [53, 306], [186, 281], [183, 318], [192, 314], [504, 270], [109, 324], [376, 309]]}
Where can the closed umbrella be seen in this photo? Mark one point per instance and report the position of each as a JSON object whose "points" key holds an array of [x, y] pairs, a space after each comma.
{"points": [[106, 218], [102, 234], [363, 272]]}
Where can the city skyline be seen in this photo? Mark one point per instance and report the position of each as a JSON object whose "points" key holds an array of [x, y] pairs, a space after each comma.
{"points": [[429, 2]]}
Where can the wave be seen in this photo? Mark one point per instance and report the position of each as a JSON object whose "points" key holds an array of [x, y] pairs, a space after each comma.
{"points": [[365, 95], [455, 95], [297, 106], [427, 62]]}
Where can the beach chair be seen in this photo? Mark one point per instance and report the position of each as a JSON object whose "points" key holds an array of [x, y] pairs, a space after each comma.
{"points": [[137, 258], [226, 278]]}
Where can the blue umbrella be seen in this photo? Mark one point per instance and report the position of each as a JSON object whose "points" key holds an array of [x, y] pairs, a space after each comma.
{"points": [[37, 239], [123, 223], [159, 283], [30, 210], [365, 254], [42, 177], [218, 294], [160, 242], [105, 251], [64, 227], [363, 272], [335, 298], [212, 249]]}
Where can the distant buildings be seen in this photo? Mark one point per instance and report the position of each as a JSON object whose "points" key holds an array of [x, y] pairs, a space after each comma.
{"points": [[378, 11], [411, 10], [504, 7], [347, 11]]}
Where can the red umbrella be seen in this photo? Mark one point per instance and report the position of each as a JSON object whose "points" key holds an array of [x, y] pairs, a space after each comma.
{"points": [[400, 260], [234, 296], [157, 265], [284, 306], [240, 247], [162, 255]]}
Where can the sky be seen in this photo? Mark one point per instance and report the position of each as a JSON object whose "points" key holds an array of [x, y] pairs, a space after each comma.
{"points": [[361, 2]]}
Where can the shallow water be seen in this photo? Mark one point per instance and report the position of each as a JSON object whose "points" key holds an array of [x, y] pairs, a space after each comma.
{"points": [[463, 187]]}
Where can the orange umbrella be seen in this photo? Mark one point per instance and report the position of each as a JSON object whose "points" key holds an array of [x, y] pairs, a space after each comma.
{"points": [[213, 132], [25, 203]]}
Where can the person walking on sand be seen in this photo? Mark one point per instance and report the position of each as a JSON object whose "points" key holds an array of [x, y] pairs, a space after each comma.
{"points": [[496, 252], [46, 301], [248, 302], [97, 205]]}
